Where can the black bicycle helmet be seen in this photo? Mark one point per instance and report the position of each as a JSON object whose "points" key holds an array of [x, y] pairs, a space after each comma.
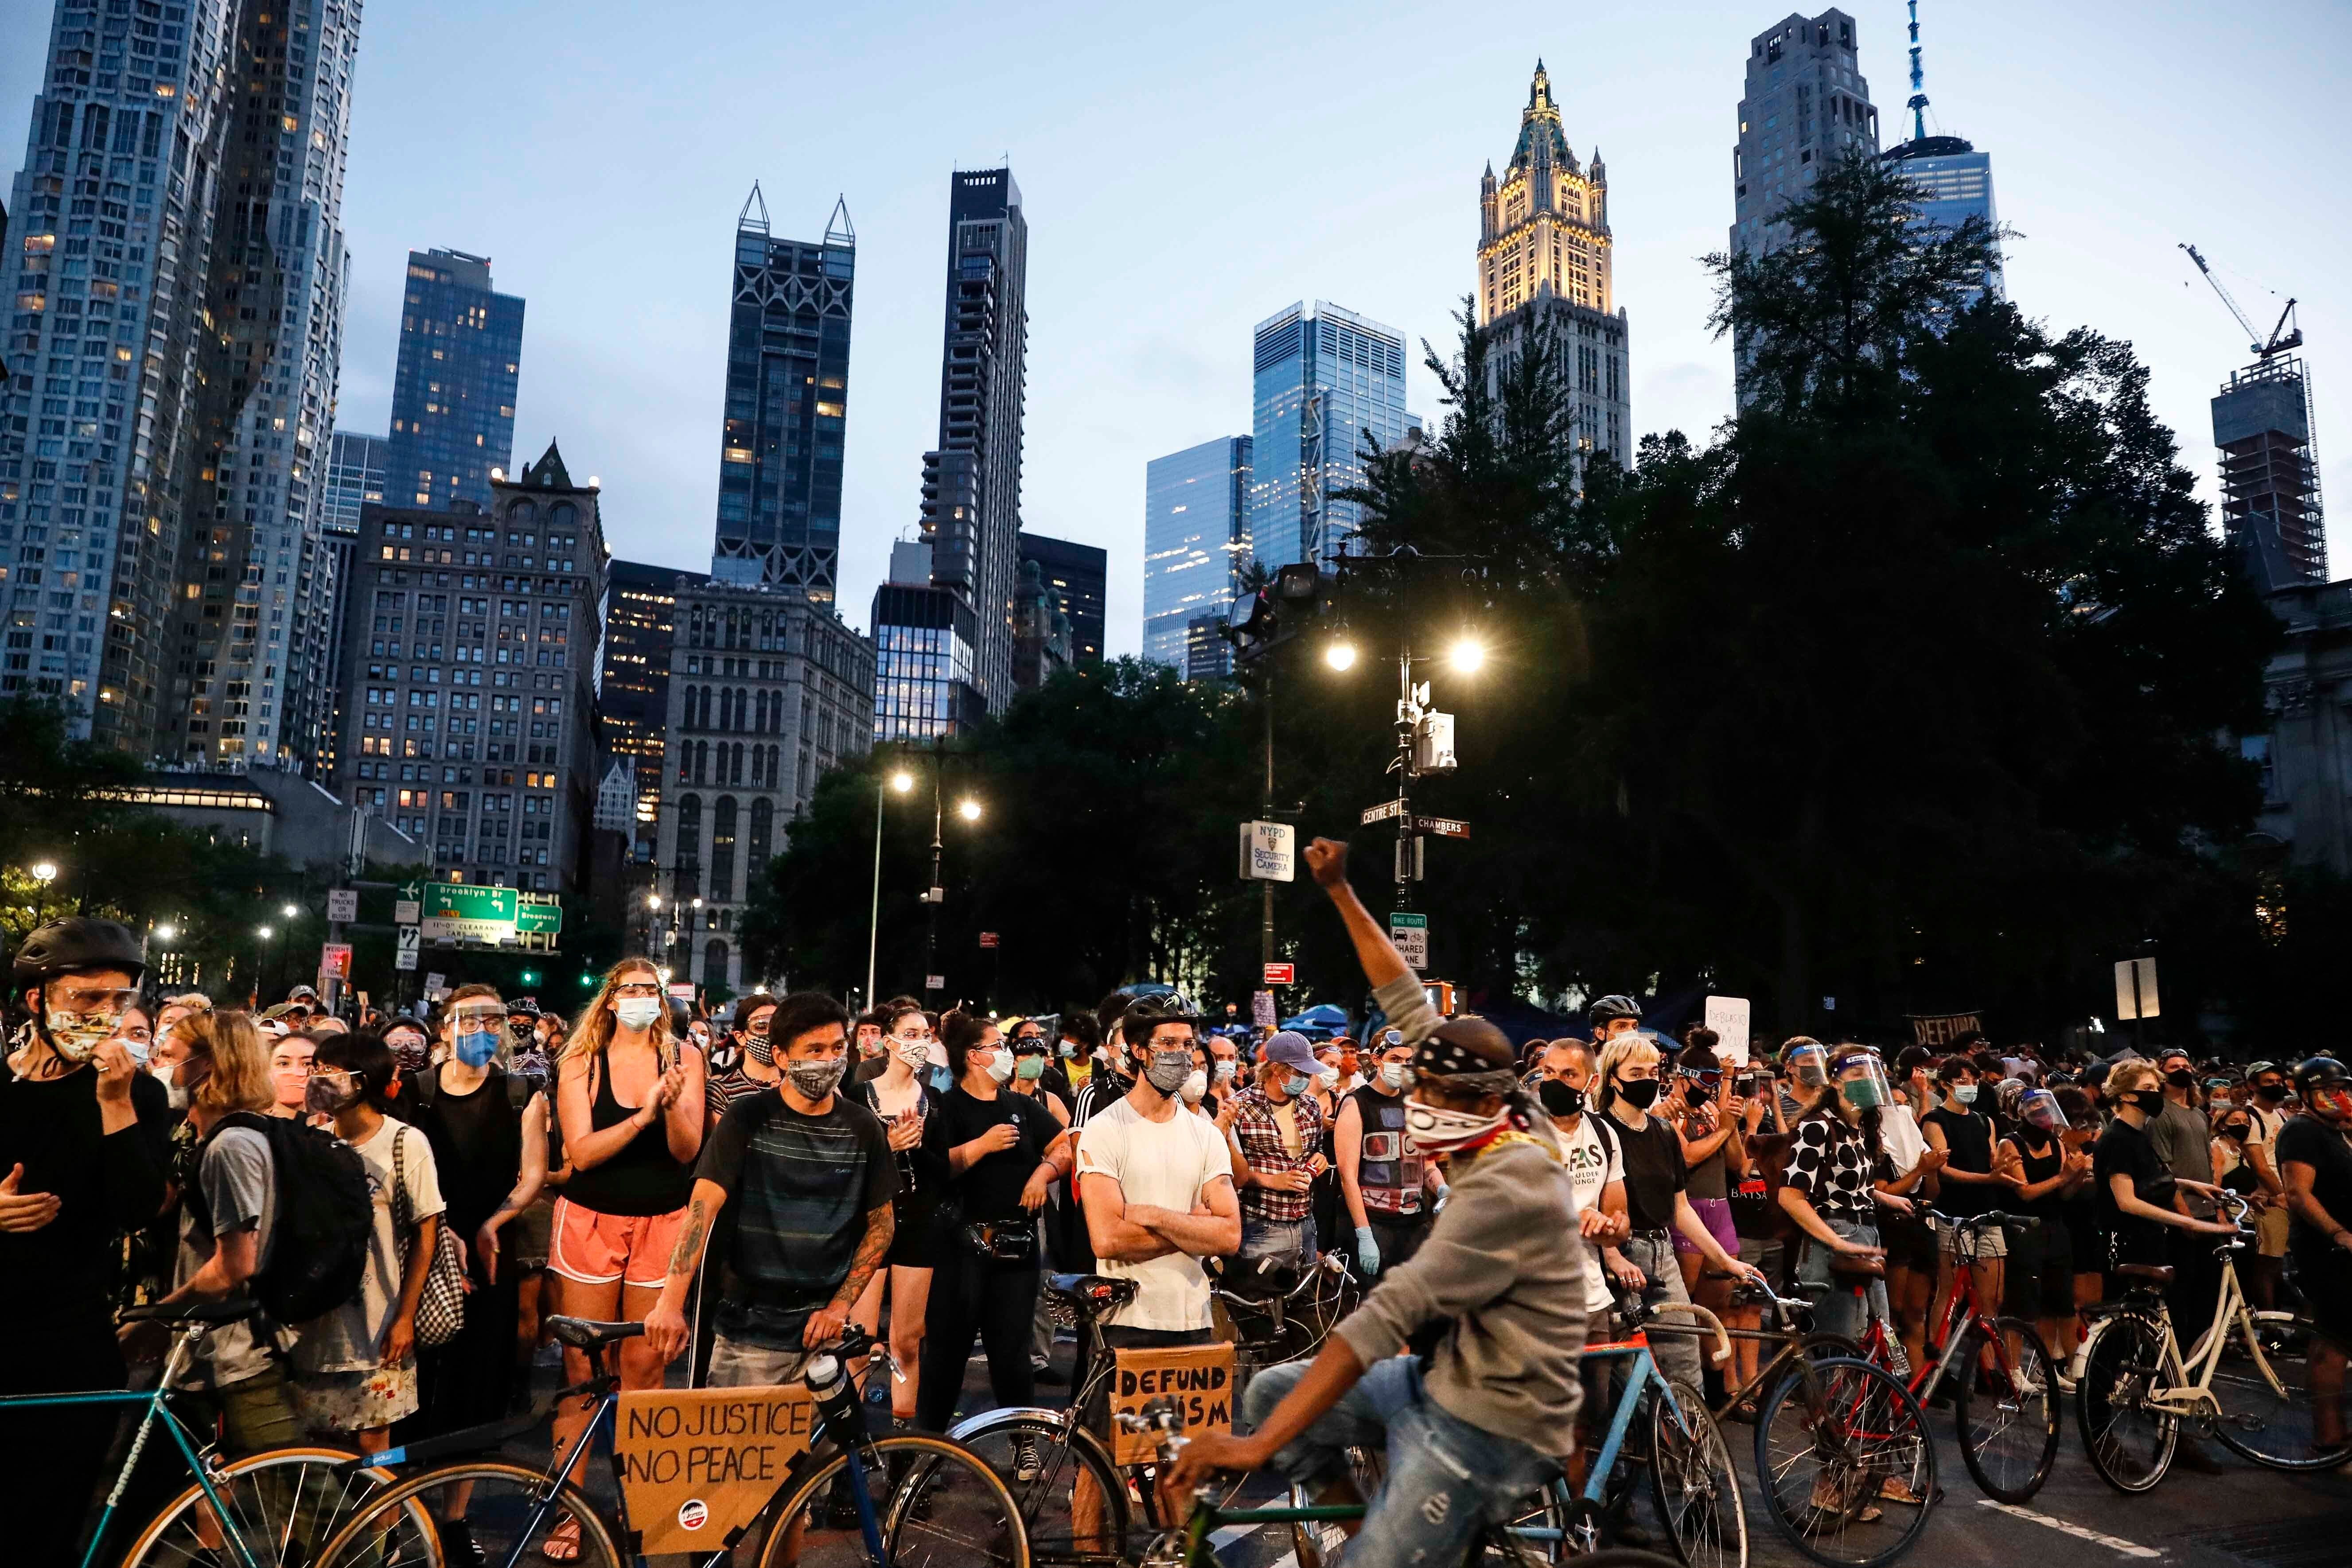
{"points": [[1113, 1007], [1609, 1008], [2318, 1073], [75, 944], [1146, 1014]]}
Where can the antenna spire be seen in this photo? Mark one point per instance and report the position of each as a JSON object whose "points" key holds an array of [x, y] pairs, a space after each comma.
{"points": [[755, 202], [1918, 104]]}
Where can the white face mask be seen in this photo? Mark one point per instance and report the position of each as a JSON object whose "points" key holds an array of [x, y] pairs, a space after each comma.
{"points": [[1225, 1066], [1000, 1065], [637, 1012], [915, 1054], [1439, 1131], [1326, 1077], [1393, 1074], [1196, 1086]]}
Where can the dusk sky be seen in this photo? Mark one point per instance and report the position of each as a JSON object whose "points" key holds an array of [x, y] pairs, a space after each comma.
{"points": [[1190, 171]]}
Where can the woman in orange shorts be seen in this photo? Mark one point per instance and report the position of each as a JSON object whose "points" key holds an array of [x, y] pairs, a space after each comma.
{"points": [[629, 1095]]}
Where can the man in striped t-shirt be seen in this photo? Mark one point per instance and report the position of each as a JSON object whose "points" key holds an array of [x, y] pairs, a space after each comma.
{"points": [[806, 1175]]}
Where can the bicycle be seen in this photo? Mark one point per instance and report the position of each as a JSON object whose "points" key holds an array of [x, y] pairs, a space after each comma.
{"points": [[2248, 1379], [943, 1508], [1191, 1543], [1693, 1484], [2005, 1408], [241, 1513], [1041, 1453]]}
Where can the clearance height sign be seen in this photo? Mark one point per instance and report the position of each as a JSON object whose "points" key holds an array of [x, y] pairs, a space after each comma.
{"points": [[696, 1464]]}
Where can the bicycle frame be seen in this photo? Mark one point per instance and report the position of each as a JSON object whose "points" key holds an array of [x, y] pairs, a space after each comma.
{"points": [[2188, 1396]]}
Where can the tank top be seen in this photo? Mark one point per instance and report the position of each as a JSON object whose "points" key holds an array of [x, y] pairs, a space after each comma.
{"points": [[2041, 1168], [644, 1178], [1389, 1171], [1968, 1136]]}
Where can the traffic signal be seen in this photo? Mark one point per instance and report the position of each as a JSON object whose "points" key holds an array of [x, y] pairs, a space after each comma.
{"points": [[1265, 619], [531, 977]]}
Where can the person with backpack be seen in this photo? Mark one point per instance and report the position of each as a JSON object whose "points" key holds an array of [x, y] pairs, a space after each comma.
{"points": [[488, 1125], [84, 1139], [355, 1366]]}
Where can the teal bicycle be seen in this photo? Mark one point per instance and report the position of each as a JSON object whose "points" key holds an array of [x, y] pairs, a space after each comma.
{"points": [[260, 1512]]}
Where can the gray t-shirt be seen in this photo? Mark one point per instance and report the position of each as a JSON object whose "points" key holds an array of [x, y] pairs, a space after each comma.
{"points": [[238, 1181], [2179, 1137]]}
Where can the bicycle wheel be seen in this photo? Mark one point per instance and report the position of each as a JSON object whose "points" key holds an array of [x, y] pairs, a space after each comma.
{"points": [[2005, 1405], [1693, 1484], [2130, 1441], [2283, 1392], [944, 1508], [282, 1503], [510, 1512], [1313, 1543], [1041, 1462], [1829, 1447]]}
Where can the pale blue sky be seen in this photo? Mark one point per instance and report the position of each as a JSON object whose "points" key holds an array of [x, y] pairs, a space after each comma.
{"points": [[1190, 172]]}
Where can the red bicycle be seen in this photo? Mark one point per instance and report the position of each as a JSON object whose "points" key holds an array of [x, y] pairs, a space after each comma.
{"points": [[2004, 1388]]}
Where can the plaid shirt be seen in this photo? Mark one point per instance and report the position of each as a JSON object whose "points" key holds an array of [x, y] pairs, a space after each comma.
{"points": [[1260, 1136]]}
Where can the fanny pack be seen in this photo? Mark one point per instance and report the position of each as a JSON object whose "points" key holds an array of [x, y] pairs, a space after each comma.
{"points": [[1002, 1240]]}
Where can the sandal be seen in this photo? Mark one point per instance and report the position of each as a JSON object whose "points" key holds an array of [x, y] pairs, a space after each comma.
{"points": [[562, 1542]]}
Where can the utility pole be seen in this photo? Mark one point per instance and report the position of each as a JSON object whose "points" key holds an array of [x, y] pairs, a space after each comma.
{"points": [[1407, 728], [936, 892], [1266, 889]]}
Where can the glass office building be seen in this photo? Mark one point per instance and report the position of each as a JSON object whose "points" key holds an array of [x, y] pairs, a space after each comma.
{"points": [[926, 662], [1956, 183], [356, 471], [787, 404], [1195, 533], [453, 395], [1323, 377], [633, 699]]}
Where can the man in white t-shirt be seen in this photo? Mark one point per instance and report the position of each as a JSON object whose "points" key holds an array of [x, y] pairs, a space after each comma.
{"points": [[1596, 1174], [1157, 1185]]}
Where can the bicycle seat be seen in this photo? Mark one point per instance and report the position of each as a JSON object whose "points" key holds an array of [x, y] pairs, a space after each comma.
{"points": [[2154, 1273], [1091, 1295], [586, 1333], [1858, 1267], [212, 1312], [1260, 1279]]}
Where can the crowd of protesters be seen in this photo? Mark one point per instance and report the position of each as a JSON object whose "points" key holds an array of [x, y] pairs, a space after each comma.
{"points": [[749, 1184]]}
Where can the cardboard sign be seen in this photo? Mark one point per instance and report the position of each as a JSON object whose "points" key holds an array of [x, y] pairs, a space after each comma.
{"points": [[1262, 1009], [1943, 1028], [697, 1463], [1729, 1017], [1199, 1378]]}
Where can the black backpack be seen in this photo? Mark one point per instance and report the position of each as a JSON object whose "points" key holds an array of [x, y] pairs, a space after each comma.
{"points": [[323, 1218]]}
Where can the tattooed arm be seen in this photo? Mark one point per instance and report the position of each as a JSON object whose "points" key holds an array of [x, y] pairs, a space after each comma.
{"points": [[826, 1325], [666, 1326]]}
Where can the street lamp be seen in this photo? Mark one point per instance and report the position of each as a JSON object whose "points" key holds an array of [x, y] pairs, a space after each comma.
{"points": [[902, 781], [45, 872], [288, 911], [166, 932], [264, 932], [1468, 653], [1339, 653], [969, 809]]}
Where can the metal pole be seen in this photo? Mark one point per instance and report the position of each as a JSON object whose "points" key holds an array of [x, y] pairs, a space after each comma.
{"points": [[874, 925], [1266, 889], [936, 892], [1404, 775]]}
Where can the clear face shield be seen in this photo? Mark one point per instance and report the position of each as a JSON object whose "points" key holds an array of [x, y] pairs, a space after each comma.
{"points": [[1809, 1066], [2039, 1108], [1861, 1081]]}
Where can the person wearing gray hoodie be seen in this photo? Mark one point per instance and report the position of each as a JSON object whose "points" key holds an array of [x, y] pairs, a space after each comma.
{"points": [[1482, 1411]]}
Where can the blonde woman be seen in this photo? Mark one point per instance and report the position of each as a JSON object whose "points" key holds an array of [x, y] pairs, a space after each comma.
{"points": [[629, 1098], [1656, 1201]]}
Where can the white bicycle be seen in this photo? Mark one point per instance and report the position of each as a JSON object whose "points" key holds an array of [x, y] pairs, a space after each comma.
{"points": [[2271, 1385]]}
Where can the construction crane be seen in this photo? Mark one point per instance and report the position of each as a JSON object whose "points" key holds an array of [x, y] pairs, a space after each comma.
{"points": [[2264, 348]]}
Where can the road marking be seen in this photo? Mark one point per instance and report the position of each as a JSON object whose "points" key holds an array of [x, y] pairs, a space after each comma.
{"points": [[2113, 1543]]}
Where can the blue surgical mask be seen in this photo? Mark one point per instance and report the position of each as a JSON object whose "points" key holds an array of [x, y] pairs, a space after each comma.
{"points": [[1300, 1084], [1966, 1093], [477, 1049]]}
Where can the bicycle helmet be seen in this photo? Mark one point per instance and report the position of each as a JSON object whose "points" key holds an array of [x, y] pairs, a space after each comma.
{"points": [[1609, 1008], [76, 943], [2326, 1087], [1146, 1014]]}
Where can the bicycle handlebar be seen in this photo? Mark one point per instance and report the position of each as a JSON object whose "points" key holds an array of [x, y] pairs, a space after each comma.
{"points": [[1707, 1322]]}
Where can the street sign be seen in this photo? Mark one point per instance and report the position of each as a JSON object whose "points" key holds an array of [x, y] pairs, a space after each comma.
{"points": [[2135, 990], [1411, 935], [335, 959], [458, 911], [544, 920], [1269, 852], [411, 890], [1281, 974], [1382, 811], [405, 959], [683, 990], [343, 904], [1729, 1017], [988, 938], [405, 938], [436, 983], [935, 982], [406, 912], [1442, 826]]}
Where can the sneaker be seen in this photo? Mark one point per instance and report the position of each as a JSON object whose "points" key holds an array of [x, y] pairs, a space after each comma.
{"points": [[1053, 1377], [459, 1548], [2065, 1383], [1025, 1466]]}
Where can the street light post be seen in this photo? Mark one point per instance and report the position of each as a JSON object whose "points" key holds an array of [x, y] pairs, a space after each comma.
{"points": [[935, 894], [902, 781]]}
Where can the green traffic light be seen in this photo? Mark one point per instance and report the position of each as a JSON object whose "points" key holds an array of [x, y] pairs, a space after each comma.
{"points": [[587, 980], [531, 977]]}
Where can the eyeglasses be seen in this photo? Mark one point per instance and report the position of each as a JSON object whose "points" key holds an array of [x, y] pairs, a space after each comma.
{"points": [[637, 988], [917, 1037], [84, 1001], [135, 1032], [481, 1020]]}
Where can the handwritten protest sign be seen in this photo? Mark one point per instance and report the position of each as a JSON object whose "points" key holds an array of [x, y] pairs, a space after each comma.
{"points": [[698, 1463], [1199, 1378]]}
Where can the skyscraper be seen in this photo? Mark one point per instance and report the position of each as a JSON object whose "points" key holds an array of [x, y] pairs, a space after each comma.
{"points": [[1806, 103], [640, 611], [1195, 535], [1954, 178], [972, 485], [143, 449], [787, 401], [1544, 266], [1080, 575], [452, 394], [2270, 480], [1321, 378], [925, 658], [355, 469]]}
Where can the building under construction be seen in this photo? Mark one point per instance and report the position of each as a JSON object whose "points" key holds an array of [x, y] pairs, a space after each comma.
{"points": [[2270, 471]]}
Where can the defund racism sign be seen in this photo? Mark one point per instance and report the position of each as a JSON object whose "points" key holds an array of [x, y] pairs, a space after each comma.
{"points": [[699, 1463], [1199, 1378]]}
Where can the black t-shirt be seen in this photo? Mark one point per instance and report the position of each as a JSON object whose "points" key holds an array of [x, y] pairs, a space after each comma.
{"points": [[2123, 1149], [798, 1191], [990, 1188], [1969, 1135], [2308, 1140], [1654, 1172], [106, 1183]]}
